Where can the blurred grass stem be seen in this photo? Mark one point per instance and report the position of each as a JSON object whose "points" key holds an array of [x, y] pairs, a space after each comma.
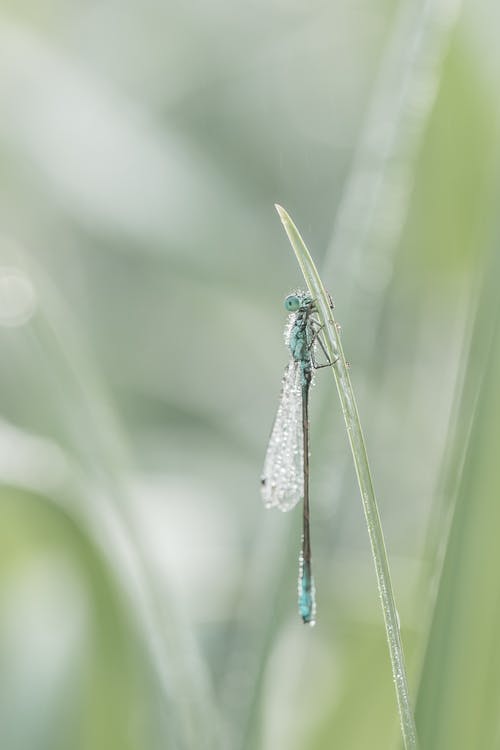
{"points": [[357, 443], [88, 420]]}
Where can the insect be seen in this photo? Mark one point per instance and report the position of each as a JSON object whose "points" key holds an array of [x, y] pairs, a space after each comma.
{"points": [[285, 478]]}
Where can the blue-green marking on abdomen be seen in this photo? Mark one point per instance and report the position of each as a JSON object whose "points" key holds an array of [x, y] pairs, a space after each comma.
{"points": [[307, 594]]}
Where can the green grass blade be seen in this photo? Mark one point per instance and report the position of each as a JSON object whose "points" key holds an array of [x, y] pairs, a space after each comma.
{"points": [[357, 443], [378, 189], [91, 432], [458, 697]]}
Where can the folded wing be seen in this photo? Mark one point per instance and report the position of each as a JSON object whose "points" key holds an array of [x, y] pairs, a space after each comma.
{"points": [[282, 481]]}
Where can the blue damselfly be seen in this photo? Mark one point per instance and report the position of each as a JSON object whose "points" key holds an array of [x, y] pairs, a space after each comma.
{"points": [[285, 478]]}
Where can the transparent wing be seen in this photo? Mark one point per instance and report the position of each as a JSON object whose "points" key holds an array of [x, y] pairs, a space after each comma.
{"points": [[283, 478]]}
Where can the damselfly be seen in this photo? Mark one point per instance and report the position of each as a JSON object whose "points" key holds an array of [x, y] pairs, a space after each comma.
{"points": [[285, 479]]}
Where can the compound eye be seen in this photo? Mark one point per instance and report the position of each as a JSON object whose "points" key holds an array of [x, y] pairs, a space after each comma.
{"points": [[292, 303]]}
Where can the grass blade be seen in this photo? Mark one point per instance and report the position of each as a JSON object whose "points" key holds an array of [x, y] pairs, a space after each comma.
{"points": [[357, 443], [458, 698]]}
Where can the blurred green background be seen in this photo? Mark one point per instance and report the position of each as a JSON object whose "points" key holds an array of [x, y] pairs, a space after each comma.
{"points": [[147, 599]]}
